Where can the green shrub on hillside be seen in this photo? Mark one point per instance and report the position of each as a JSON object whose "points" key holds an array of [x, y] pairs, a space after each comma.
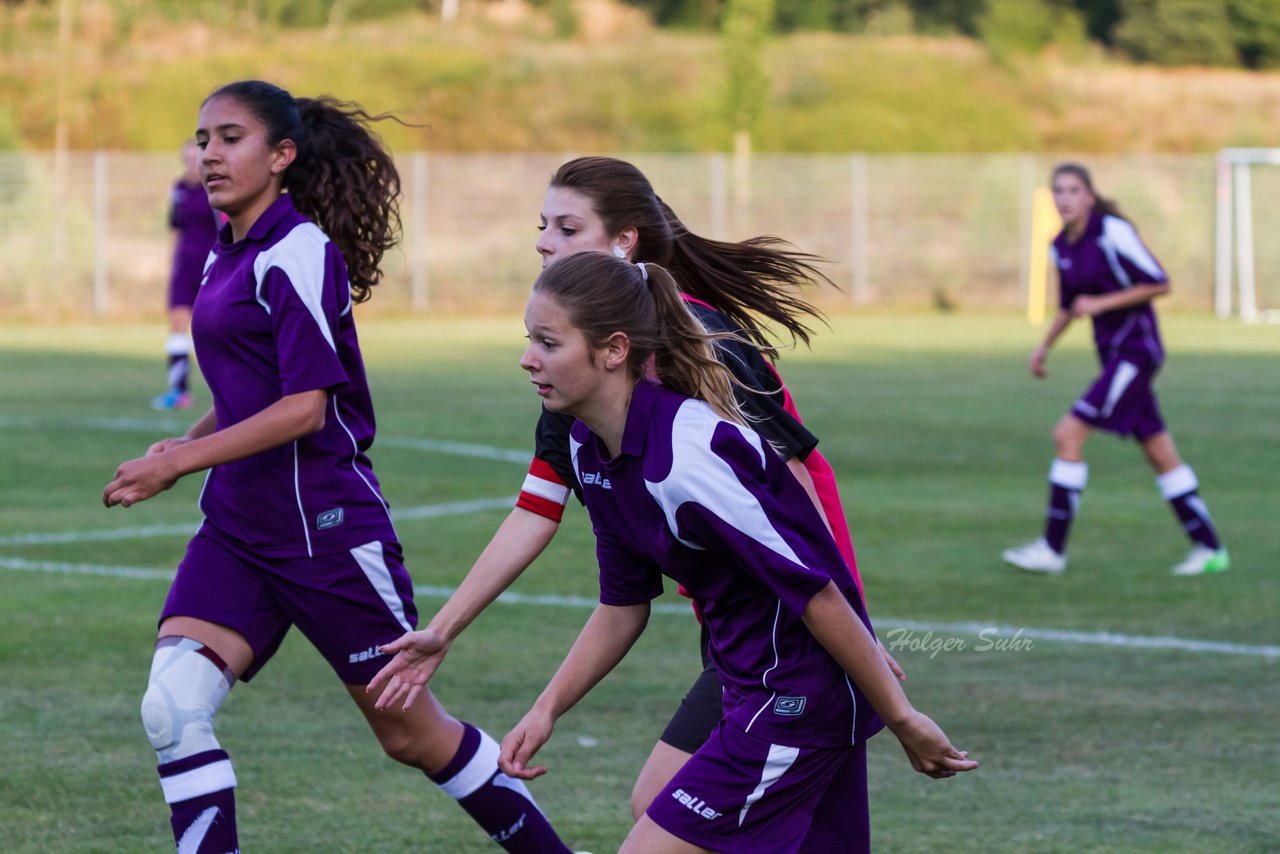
{"points": [[1177, 32]]}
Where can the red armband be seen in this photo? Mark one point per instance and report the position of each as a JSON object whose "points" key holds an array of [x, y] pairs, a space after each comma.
{"points": [[543, 492]]}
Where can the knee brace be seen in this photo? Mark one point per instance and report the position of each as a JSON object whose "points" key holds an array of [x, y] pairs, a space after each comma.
{"points": [[188, 682]]}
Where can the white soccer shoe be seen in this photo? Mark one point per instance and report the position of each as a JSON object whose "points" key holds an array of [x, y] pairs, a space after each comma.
{"points": [[1202, 561], [1036, 556]]}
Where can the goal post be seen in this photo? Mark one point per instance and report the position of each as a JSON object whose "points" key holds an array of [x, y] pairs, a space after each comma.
{"points": [[1235, 286]]}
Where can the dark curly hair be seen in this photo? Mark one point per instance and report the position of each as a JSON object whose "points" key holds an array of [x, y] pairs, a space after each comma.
{"points": [[343, 178]]}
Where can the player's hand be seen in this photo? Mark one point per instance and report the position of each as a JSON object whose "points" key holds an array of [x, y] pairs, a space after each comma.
{"points": [[1087, 305], [893, 665], [519, 745], [165, 445], [417, 656], [1038, 358], [137, 480], [929, 749]]}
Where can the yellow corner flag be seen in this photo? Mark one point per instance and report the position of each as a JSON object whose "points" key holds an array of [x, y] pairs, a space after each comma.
{"points": [[1045, 225]]}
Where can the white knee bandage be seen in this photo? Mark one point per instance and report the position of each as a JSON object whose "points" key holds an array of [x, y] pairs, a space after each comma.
{"points": [[185, 689]]}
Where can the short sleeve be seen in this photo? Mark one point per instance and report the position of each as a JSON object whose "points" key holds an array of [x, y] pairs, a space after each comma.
{"points": [[731, 497], [551, 445], [298, 284], [1137, 264]]}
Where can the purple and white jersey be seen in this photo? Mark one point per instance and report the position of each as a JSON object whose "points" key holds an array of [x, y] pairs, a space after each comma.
{"points": [[1110, 257], [273, 318], [708, 503]]}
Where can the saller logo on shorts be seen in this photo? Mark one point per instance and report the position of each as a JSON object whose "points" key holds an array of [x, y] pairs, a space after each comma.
{"points": [[329, 519], [695, 805], [789, 706]]}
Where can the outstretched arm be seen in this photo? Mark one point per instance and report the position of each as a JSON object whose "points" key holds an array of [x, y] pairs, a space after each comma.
{"points": [[289, 418], [831, 620], [516, 544], [603, 642], [1061, 321]]}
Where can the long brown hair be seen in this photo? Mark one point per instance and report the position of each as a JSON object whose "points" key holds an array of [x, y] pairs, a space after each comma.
{"points": [[1104, 206], [603, 295], [748, 281], [343, 178]]}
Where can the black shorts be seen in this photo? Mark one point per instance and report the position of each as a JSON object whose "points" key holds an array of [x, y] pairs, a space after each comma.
{"points": [[701, 709]]}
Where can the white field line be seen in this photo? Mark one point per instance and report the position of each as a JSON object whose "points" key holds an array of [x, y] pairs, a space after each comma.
{"points": [[170, 426], [986, 631], [133, 425], [186, 529]]}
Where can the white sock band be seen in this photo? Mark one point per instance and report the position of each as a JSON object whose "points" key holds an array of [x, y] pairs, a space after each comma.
{"points": [[476, 772], [1177, 482], [177, 344], [1068, 474]]}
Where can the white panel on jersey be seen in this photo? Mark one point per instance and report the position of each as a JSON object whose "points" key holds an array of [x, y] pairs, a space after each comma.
{"points": [[1120, 239], [300, 256], [574, 445], [699, 475]]}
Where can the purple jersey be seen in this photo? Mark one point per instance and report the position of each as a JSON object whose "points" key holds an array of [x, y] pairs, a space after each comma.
{"points": [[709, 504], [1110, 257], [197, 227], [273, 318]]}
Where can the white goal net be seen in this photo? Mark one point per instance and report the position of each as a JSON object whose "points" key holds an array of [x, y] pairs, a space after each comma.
{"points": [[1247, 253]]}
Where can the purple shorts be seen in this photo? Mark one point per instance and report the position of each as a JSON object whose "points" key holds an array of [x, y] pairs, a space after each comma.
{"points": [[346, 603], [1121, 400], [740, 793]]}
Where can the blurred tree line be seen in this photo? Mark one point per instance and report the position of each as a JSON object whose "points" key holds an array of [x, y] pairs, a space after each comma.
{"points": [[1243, 33], [1166, 32]]}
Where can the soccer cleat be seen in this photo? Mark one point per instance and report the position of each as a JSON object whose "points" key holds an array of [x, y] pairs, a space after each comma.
{"points": [[1203, 560], [1036, 556], [171, 400]]}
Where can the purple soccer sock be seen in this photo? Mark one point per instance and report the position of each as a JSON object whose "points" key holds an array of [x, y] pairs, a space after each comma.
{"points": [[1067, 480], [501, 805], [179, 370], [1180, 488], [178, 349], [204, 823]]}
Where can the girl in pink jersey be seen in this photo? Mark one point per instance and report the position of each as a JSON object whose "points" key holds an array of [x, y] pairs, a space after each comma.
{"points": [[601, 204], [296, 531]]}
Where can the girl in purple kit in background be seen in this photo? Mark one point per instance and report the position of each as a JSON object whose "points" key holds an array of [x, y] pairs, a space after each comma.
{"points": [[676, 484], [296, 530], [1108, 274], [195, 226]]}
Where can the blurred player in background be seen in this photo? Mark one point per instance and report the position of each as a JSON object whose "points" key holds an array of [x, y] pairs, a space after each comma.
{"points": [[195, 227], [676, 484], [296, 530], [601, 204], [1108, 274]]}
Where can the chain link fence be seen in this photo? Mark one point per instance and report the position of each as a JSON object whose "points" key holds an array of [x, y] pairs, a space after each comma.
{"points": [[86, 235]]}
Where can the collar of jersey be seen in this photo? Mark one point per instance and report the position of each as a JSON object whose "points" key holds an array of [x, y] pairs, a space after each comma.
{"points": [[643, 400], [261, 229]]}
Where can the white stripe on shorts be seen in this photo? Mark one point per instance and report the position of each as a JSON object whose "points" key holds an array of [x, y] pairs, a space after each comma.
{"points": [[780, 759], [1126, 373], [371, 560]]}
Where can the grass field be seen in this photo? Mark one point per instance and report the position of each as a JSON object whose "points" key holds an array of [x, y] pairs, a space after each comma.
{"points": [[940, 438]]}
